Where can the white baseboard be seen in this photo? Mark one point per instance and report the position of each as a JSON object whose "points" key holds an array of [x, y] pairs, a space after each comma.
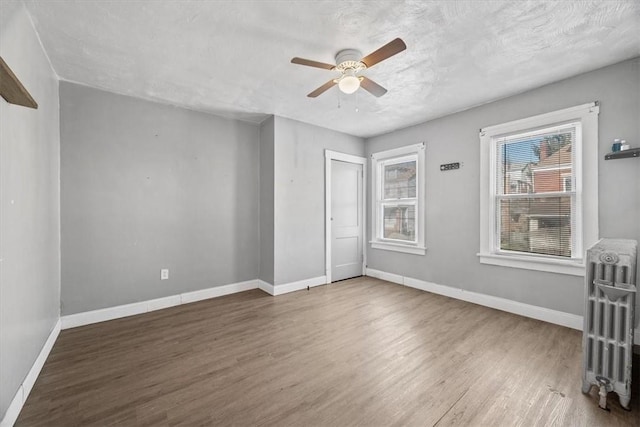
{"points": [[383, 275], [21, 395], [166, 302], [218, 291], [117, 312], [533, 311], [266, 287], [299, 285]]}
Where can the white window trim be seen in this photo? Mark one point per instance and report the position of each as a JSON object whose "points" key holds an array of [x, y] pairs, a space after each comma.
{"points": [[586, 189], [419, 247]]}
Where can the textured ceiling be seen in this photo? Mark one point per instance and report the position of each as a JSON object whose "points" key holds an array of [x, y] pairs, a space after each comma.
{"points": [[232, 57]]}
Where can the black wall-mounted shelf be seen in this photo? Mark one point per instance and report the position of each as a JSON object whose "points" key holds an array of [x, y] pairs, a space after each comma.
{"points": [[632, 152]]}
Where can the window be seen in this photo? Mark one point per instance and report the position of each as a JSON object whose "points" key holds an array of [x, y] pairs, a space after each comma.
{"points": [[538, 209], [398, 202]]}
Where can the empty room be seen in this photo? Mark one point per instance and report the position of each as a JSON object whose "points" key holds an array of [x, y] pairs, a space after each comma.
{"points": [[319, 213]]}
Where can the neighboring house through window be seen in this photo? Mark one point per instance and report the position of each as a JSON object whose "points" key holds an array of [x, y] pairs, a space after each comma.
{"points": [[539, 191], [398, 202], [566, 182]]}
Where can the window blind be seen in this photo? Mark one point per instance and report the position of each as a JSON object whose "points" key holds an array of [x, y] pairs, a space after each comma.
{"points": [[535, 191]]}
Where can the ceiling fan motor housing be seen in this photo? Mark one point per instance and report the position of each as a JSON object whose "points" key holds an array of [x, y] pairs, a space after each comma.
{"points": [[349, 59]]}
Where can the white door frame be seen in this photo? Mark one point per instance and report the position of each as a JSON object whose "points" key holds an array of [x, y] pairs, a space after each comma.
{"points": [[349, 158]]}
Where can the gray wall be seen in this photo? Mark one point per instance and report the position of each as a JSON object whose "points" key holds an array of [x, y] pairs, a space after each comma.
{"points": [[266, 199], [29, 204], [299, 196], [147, 186], [453, 200]]}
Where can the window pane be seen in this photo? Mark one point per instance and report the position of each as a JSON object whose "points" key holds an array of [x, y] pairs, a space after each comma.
{"points": [[400, 222], [540, 225], [400, 180], [535, 163]]}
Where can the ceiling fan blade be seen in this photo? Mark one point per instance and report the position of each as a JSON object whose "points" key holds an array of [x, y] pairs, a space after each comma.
{"points": [[310, 63], [372, 87], [328, 85], [386, 51]]}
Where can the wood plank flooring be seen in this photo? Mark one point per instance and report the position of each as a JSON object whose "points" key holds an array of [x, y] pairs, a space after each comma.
{"points": [[357, 352]]}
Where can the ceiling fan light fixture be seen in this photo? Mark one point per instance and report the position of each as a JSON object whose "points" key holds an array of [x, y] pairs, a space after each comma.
{"points": [[349, 62], [349, 83]]}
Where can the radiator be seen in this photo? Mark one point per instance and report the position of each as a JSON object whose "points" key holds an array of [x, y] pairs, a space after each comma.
{"points": [[607, 342]]}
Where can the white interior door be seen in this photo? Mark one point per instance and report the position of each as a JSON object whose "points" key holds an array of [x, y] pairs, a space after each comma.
{"points": [[346, 220]]}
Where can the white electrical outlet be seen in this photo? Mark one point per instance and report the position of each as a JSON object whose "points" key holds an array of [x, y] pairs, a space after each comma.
{"points": [[164, 274]]}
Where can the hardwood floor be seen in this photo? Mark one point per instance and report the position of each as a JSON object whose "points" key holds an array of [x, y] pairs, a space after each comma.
{"points": [[357, 352]]}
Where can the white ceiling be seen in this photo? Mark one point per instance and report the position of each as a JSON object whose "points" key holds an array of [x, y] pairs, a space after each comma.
{"points": [[232, 58]]}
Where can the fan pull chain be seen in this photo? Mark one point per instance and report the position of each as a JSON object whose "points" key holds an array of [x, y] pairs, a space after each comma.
{"points": [[357, 109]]}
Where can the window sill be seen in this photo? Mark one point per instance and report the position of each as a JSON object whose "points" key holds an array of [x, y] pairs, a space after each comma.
{"points": [[573, 267], [415, 250]]}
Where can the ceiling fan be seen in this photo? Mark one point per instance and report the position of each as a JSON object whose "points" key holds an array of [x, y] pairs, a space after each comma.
{"points": [[349, 63]]}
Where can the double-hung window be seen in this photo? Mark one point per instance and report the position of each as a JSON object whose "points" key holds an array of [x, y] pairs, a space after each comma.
{"points": [[398, 202], [539, 191]]}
